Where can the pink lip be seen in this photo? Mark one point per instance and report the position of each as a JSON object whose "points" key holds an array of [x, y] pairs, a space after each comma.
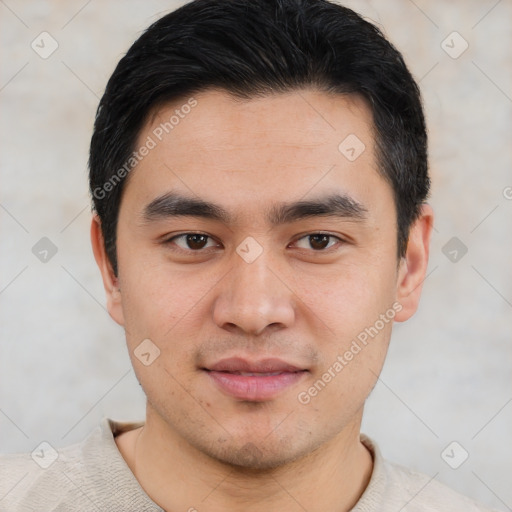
{"points": [[255, 388], [238, 364]]}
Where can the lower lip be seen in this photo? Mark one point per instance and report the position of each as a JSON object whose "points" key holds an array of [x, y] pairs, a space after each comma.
{"points": [[254, 388]]}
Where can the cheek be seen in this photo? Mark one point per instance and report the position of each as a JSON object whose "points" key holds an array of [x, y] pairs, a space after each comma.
{"points": [[350, 298], [353, 314], [163, 304], [353, 338]]}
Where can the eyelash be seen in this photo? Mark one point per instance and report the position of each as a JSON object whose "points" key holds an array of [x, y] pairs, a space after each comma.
{"points": [[169, 242]]}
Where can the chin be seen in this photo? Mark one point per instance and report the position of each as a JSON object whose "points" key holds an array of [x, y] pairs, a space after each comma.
{"points": [[258, 456]]}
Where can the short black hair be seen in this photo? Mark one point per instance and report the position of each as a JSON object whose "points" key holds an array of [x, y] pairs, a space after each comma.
{"points": [[253, 48]]}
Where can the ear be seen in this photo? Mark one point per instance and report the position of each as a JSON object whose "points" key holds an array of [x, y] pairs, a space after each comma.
{"points": [[413, 266], [110, 281]]}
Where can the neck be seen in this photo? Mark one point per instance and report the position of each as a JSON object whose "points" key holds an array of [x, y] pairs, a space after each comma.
{"points": [[177, 476]]}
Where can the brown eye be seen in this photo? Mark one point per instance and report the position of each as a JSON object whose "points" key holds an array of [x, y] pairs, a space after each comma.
{"points": [[196, 241], [317, 241], [191, 242]]}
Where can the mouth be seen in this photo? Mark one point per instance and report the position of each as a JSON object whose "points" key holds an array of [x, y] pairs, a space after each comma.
{"points": [[254, 381]]}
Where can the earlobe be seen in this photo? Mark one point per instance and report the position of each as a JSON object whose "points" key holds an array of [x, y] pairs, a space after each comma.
{"points": [[110, 280], [413, 266]]}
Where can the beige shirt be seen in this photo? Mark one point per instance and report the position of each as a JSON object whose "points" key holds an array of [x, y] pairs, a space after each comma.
{"points": [[92, 475]]}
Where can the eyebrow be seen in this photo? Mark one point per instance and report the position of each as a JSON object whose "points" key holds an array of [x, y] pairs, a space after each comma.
{"points": [[172, 204]]}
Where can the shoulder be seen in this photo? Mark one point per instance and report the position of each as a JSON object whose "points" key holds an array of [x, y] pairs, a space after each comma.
{"points": [[90, 475], [395, 487], [38, 480], [426, 494]]}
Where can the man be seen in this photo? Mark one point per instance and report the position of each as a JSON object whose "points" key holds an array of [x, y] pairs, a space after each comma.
{"points": [[259, 175]]}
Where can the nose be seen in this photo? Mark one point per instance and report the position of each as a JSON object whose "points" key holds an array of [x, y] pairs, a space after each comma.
{"points": [[253, 297]]}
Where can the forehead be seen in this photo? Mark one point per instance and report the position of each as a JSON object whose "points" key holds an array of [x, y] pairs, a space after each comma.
{"points": [[279, 146], [301, 118]]}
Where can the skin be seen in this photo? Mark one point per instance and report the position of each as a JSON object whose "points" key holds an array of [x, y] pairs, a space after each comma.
{"points": [[200, 447]]}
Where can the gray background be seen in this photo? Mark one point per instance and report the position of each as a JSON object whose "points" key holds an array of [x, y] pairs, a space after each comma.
{"points": [[63, 362]]}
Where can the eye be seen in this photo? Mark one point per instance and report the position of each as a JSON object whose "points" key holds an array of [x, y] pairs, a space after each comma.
{"points": [[197, 242], [191, 242], [317, 241]]}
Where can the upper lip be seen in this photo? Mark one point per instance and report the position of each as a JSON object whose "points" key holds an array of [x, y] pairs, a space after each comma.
{"points": [[238, 364]]}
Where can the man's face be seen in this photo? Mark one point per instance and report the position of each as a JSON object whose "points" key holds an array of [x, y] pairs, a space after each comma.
{"points": [[255, 309]]}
